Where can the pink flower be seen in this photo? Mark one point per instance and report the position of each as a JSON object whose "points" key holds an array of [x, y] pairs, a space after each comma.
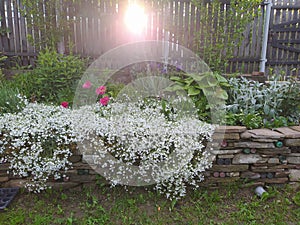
{"points": [[87, 85], [104, 101], [101, 90], [65, 104]]}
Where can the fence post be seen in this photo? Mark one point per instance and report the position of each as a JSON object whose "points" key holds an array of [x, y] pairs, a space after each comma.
{"points": [[263, 60]]}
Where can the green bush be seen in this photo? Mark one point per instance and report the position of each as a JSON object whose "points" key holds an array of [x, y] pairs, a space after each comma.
{"points": [[54, 79]]}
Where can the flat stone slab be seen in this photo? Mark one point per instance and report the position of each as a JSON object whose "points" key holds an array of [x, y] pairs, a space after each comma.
{"points": [[230, 168], [227, 136], [288, 132], [250, 175], [294, 175], [246, 135], [296, 128], [252, 144], [292, 142], [293, 160], [246, 159], [231, 129], [266, 134], [225, 152], [274, 151], [281, 180]]}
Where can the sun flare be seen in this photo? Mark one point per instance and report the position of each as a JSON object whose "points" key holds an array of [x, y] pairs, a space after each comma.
{"points": [[135, 18]]}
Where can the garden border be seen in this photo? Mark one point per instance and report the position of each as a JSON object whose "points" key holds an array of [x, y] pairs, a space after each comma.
{"points": [[256, 157]]}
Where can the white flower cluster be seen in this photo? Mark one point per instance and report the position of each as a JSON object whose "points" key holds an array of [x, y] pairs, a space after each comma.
{"points": [[135, 143], [35, 142], [132, 143]]}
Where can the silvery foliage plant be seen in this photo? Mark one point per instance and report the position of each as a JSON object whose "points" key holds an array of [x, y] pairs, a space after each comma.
{"points": [[36, 143], [250, 97]]}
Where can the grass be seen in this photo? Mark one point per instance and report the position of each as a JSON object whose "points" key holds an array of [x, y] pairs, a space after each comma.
{"points": [[104, 205]]}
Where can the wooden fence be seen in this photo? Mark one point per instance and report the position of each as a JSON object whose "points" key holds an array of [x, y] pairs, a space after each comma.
{"points": [[95, 26], [284, 39]]}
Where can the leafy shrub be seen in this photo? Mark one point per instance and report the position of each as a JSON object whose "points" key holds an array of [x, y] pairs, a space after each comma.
{"points": [[53, 80]]}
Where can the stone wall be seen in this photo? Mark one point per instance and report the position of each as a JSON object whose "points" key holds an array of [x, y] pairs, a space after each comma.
{"points": [[257, 157]]}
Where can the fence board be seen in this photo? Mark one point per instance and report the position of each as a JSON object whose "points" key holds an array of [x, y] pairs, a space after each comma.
{"points": [[3, 34]]}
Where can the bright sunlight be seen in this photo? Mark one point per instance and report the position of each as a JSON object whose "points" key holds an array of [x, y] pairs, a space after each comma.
{"points": [[135, 19]]}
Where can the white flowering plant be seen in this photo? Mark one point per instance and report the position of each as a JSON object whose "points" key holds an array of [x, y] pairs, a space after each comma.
{"points": [[143, 142], [151, 146], [36, 142]]}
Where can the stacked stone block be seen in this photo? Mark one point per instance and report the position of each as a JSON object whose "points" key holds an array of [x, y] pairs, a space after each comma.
{"points": [[259, 157]]}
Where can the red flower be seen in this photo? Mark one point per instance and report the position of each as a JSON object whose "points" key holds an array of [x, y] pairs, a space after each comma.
{"points": [[87, 84], [65, 104], [104, 101], [101, 90]]}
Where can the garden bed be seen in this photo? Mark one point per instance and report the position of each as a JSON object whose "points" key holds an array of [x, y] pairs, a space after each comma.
{"points": [[256, 157]]}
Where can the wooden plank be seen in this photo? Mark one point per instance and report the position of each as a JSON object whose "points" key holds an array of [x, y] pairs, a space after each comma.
{"points": [[23, 38], [260, 27], [11, 36], [30, 54], [192, 27], [176, 21], [4, 26], [295, 35], [186, 24], [79, 33], [18, 35], [279, 7], [281, 62]]}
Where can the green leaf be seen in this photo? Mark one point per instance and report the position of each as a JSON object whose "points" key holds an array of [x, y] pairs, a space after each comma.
{"points": [[175, 78], [174, 87], [193, 91], [212, 81], [196, 77]]}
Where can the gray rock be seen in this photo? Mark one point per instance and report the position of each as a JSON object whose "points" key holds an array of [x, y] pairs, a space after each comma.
{"points": [[292, 142], [246, 159], [251, 144], [293, 160]]}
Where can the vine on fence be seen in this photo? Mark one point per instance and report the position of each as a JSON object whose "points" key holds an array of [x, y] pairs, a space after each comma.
{"points": [[217, 40], [48, 21]]}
